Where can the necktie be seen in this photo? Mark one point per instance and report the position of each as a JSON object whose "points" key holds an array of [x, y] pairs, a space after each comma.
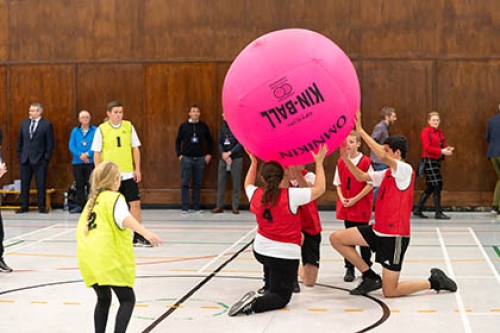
{"points": [[32, 128]]}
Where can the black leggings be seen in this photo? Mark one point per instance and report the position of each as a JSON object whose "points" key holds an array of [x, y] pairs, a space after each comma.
{"points": [[126, 297], [433, 188], [280, 276], [1, 236]]}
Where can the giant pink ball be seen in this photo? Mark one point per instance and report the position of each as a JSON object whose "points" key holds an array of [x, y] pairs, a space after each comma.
{"points": [[287, 93]]}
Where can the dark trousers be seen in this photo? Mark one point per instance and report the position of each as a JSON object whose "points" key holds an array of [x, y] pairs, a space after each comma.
{"points": [[2, 235], [82, 175], [125, 296], [223, 175], [40, 172], [191, 166], [366, 254], [280, 276]]}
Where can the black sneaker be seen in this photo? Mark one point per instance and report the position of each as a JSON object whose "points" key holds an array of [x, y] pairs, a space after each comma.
{"points": [[244, 305], [418, 213], [349, 275], [4, 268], [442, 280], [441, 216], [366, 286], [141, 242], [296, 287]]}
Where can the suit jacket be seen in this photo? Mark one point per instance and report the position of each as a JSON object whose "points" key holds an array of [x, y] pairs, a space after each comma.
{"points": [[493, 136], [39, 147]]}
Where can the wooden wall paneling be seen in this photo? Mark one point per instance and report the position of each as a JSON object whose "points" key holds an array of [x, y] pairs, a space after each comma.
{"points": [[53, 86], [41, 30], [170, 90], [406, 86], [467, 98], [393, 29], [107, 30], [4, 31], [182, 29], [57, 31], [98, 84], [469, 29], [338, 20], [8, 148]]}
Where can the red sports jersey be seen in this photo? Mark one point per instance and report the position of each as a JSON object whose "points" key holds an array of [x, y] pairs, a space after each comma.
{"points": [[393, 208], [309, 215], [362, 210], [276, 223]]}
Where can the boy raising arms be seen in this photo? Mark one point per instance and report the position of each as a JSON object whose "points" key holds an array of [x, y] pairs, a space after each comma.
{"points": [[389, 236]]}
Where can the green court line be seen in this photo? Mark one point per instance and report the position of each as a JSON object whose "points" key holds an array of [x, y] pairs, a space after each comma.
{"points": [[15, 243], [497, 250]]}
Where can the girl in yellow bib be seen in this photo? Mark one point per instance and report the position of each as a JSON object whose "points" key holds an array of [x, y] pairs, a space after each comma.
{"points": [[104, 246]]}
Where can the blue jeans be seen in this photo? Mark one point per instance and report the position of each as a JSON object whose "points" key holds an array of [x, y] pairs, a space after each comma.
{"points": [[378, 167], [191, 166]]}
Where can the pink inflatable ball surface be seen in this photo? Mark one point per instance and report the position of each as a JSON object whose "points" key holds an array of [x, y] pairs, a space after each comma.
{"points": [[288, 92]]}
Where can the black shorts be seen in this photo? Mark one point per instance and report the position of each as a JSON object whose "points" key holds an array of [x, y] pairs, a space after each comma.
{"points": [[310, 249], [389, 251], [130, 190]]}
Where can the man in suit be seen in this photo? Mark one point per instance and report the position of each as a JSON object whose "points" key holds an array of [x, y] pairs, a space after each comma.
{"points": [[35, 144]]}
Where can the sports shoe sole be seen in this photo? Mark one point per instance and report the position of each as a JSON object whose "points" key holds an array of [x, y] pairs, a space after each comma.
{"points": [[238, 306]]}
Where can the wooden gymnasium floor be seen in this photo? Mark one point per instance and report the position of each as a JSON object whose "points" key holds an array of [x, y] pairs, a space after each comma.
{"points": [[205, 265]]}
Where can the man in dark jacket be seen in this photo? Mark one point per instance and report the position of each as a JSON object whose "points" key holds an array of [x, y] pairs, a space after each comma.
{"points": [[193, 146], [230, 164], [35, 144]]}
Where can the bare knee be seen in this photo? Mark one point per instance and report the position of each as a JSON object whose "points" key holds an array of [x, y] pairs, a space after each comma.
{"points": [[389, 292], [334, 239]]}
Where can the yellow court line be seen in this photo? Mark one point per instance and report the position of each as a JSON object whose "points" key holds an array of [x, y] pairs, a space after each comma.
{"points": [[174, 307], [317, 310], [494, 310], [353, 310], [39, 302], [210, 307], [466, 310], [142, 305], [71, 303], [395, 311], [426, 311], [6, 301], [284, 309]]}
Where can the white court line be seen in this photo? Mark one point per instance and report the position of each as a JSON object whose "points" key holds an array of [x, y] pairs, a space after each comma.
{"points": [[485, 255], [226, 250], [42, 240], [32, 232], [458, 296]]}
